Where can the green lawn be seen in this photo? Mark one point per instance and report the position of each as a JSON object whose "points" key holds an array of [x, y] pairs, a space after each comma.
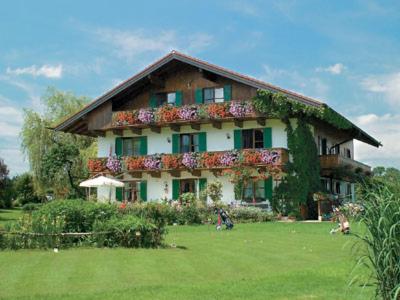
{"points": [[254, 261], [7, 215]]}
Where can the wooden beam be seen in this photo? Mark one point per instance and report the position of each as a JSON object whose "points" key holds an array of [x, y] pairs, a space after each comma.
{"points": [[118, 132], [156, 129], [78, 125], [155, 174], [238, 123], [175, 127], [135, 130], [98, 133], [196, 173], [175, 173], [195, 126], [216, 124], [136, 174], [261, 121]]}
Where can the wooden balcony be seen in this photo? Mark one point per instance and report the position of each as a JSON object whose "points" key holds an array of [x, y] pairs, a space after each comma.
{"points": [[174, 117], [263, 160], [332, 162]]}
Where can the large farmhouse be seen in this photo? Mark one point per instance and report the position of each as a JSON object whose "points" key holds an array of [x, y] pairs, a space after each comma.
{"points": [[182, 122]]}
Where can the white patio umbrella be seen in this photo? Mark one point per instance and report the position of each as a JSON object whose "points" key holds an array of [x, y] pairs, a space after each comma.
{"points": [[101, 181]]}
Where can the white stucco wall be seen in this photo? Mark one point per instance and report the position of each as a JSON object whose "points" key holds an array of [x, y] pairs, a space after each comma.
{"points": [[217, 140]]}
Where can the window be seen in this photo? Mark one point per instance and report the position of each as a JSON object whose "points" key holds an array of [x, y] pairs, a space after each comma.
{"points": [[326, 187], [211, 95], [130, 146], [348, 190], [165, 98], [253, 138], [189, 142], [348, 153], [324, 146], [132, 191], [188, 186], [254, 191], [337, 187]]}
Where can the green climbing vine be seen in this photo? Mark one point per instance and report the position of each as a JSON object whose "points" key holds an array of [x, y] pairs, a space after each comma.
{"points": [[302, 178], [279, 106]]}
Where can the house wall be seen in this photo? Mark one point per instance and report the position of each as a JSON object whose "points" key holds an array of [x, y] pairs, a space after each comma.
{"points": [[334, 136]]}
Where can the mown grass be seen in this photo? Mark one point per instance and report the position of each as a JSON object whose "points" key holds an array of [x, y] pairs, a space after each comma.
{"points": [[9, 215], [254, 261]]}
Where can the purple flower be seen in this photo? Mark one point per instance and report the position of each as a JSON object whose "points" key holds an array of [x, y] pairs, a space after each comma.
{"points": [[146, 116], [189, 160], [237, 109], [188, 113], [270, 157], [228, 158], [152, 162], [249, 108], [113, 164]]}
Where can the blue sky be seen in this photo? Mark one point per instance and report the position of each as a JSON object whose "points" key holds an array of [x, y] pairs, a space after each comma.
{"points": [[345, 53]]}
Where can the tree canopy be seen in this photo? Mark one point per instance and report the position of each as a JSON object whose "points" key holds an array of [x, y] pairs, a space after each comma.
{"points": [[57, 160]]}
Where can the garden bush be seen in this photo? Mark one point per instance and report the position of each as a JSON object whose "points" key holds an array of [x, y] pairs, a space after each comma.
{"points": [[249, 214], [128, 231], [31, 207]]}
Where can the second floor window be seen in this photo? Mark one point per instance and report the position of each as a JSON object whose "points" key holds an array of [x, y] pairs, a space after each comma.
{"points": [[253, 138], [211, 95], [165, 98], [189, 142], [130, 146]]}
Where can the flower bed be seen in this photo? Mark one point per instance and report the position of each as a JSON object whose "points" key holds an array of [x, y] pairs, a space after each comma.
{"points": [[192, 160], [169, 114]]}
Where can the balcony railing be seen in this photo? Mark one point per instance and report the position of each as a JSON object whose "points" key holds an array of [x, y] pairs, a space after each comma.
{"points": [[336, 161], [193, 162], [194, 115]]}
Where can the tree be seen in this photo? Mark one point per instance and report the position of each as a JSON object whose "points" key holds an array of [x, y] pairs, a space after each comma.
{"points": [[57, 160], [3, 172], [6, 193], [24, 189]]}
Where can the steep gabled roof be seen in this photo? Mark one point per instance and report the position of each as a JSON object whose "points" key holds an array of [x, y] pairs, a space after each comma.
{"points": [[175, 55]]}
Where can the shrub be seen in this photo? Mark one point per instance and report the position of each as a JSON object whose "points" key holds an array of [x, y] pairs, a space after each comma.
{"points": [[158, 213], [127, 231], [381, 217], [31, 207], [249, 214], [214, 190]]}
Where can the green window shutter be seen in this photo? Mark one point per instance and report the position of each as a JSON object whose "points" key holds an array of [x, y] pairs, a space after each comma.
{"points": [[202, 142], [268, 188], [118, 146], [153, 100], [202, 184], [267, 137], [175, 143], [143, 145], [119, 193], [178, 98], [227, 92], [143, 190], [198, 96], [237, 139], [175, 189]]}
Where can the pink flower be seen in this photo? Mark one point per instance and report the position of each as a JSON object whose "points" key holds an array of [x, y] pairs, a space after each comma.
{"points": [[189, 160], [146, 116]]}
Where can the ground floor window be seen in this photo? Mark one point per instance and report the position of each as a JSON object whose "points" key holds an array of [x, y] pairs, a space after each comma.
{"points": [[133, 191], [254, 191], [188, 186]]}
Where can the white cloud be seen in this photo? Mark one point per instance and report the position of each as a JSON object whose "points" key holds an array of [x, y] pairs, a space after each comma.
{"points": [[244, 7], [293, 80], [335, 69], [384, 128], [130, 44], [387, 85], [45, 71]]}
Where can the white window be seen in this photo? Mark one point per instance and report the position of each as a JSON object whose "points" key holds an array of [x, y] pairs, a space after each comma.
{"points": [[171, 98], [219, 95], [211, 95]]}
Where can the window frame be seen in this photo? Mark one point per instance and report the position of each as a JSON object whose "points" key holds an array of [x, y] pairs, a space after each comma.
{"points": [[137, 189], [253, 140], [193, 146], [133, 139], [213, 99], [254, 188], [193, 184], [163, 99]]}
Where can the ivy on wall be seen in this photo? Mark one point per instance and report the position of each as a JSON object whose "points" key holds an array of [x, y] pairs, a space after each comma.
{"points": [[279, 106], [303, 171]]}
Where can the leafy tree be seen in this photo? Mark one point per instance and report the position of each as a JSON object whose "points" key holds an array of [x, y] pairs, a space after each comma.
{"points": [[57, 160], [6, 193], [24, 189], [3, 172]]}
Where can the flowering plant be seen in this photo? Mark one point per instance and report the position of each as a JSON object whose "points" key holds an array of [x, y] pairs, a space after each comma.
{"points": [[189, 160], [237, 109], [168, 113], [229, 158], [146, 116], [171, 161], [210, 160], [189, 113], [122, 118], [134, 163], [113, 164], [152, 162], [217, 110], [270, 157], [251, 157], [96, 165]]}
